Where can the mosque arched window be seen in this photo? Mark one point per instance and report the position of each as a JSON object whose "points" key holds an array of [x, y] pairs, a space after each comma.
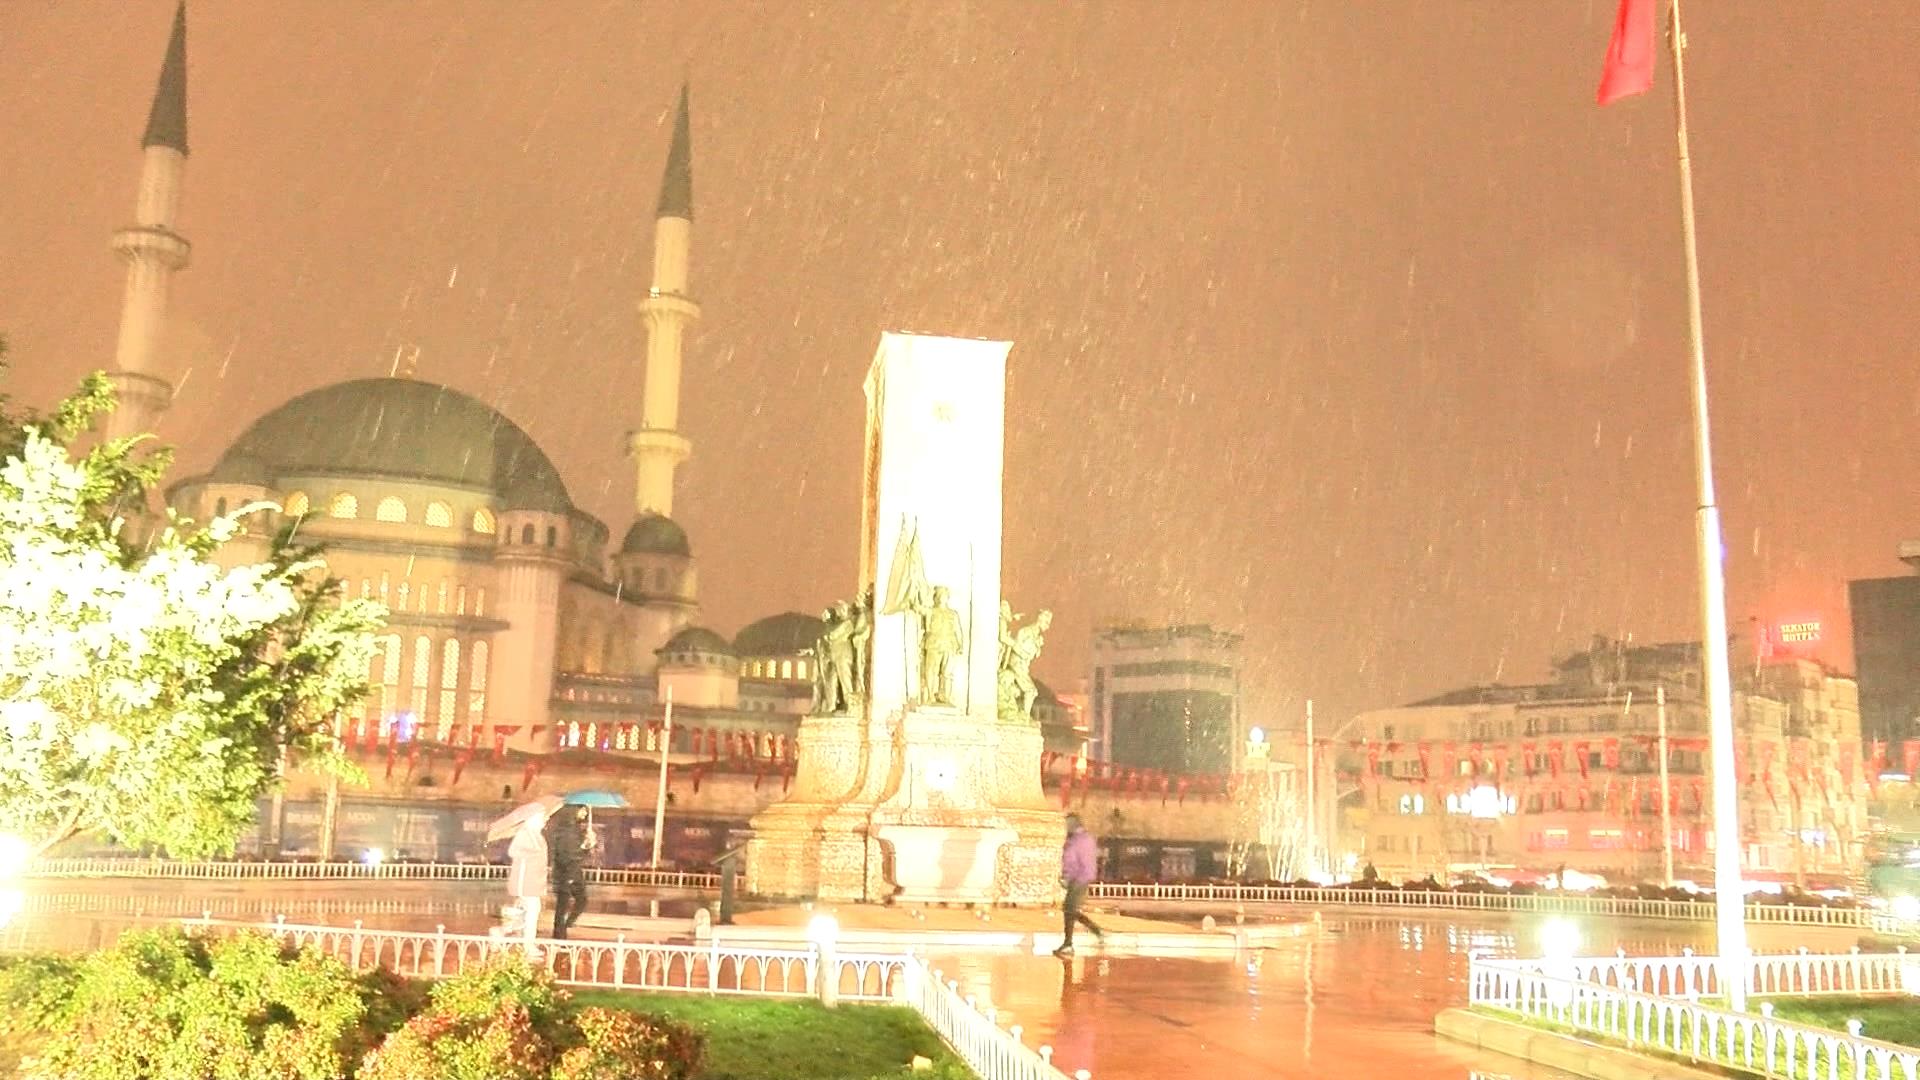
{"points": [[526, 534], [483, 521], [388, 660], [553, 536], [296, 505], [449, 685], [477, 682], [343, 505], [439, 515], [220, 507], [422, 661], [390, 509]]}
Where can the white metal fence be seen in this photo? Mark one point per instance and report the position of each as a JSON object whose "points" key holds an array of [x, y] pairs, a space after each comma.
{"points": [[821, 972], [346, 871], [1514, 903], [1867, 919], [1655, 1004]]}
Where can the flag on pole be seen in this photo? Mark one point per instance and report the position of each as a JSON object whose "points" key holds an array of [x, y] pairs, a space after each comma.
{"points": [[1629, 67], [907, 588]]}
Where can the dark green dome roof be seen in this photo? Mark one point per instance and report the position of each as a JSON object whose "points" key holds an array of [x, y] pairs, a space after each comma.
{"points": [[399, 428], [786, 634], [656, 535], [697, 639]]}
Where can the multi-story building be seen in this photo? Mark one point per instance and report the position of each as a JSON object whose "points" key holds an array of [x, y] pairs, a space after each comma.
{"points": [[1886, 650], [1166, 698], [1522, 781]]}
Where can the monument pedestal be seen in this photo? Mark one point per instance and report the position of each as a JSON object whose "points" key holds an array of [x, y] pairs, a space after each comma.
{"points": [[937, 807]]}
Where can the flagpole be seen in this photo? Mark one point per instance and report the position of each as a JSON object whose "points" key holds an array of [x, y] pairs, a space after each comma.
{"points": [[1729, 891]]}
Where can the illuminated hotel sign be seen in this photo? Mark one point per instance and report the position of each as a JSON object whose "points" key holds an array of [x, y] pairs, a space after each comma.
{"points": [[1799, 633]]}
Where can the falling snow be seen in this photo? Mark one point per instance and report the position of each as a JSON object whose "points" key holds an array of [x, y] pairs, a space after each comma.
{"points": [[1357, 328]]}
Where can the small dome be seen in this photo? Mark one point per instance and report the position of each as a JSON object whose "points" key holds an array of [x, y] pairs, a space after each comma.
{"points": [[697, 639], [787, 634], [656, 535]]}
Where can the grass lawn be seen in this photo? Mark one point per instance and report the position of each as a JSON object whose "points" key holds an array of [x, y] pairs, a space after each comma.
{"points": [[1888, 1019], [762, 1039]]}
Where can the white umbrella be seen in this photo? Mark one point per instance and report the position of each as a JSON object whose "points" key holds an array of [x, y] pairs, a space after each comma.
{"points": [[510, 823]]}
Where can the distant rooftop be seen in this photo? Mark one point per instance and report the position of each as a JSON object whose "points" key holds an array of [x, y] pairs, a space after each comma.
{"points": [[1143, 636]]}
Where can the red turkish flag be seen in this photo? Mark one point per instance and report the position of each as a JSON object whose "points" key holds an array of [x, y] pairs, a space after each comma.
{"points": [[1629, 66]]}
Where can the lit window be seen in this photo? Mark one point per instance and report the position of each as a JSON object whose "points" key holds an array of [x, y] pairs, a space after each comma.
{"points": [[422, 660], [477, 683], [385, 581], [390, 509], [800, 669], [1406, 804], [1419, 804], [343, 505], [440, 515], [786, 669], [483, 521], [296, 505], [460, 601], [385, 676], [440, 605], [479, 602], [449, 685]]}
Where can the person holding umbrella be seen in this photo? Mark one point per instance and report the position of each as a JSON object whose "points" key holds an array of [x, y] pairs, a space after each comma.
{"points": [[527, 862], [568, 843]]}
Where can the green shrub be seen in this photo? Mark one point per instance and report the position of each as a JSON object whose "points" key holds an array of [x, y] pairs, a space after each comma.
{"points": [[164, 1006], [505, 1020], [620, 1045], [35, 992]]}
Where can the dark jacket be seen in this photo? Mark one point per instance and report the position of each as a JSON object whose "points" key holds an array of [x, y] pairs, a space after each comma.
{"points": [[565, 844]]}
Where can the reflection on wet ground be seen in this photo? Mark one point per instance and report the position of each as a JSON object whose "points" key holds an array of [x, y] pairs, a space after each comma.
{"points": [[1357, 994]]}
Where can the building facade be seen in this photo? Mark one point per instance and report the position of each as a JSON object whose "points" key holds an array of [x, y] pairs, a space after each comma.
{"points": [[1518, 782], [1885, 613], [1166, 698]]}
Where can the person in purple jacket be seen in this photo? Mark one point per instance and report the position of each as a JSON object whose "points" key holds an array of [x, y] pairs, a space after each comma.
{"points": [[1077, 863]]}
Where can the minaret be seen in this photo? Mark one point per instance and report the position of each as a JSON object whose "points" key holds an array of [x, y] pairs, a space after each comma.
{"points": [[152, 250], [657, 447]]}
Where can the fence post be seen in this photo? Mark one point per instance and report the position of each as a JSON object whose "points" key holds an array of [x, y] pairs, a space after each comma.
{"points": [[824, 933]]}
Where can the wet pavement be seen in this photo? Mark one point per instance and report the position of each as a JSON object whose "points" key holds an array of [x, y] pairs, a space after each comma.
{"points": [[1355, 995]]}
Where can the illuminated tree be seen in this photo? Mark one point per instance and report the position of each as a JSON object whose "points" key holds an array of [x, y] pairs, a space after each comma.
{"points": [[146, 693]]}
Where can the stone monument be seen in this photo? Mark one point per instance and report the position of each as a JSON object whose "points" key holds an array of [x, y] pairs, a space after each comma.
{"points": [[918, 774]]}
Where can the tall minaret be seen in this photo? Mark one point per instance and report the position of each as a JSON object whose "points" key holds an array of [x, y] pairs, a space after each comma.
{"points": [[658, 448], [152, 250]]}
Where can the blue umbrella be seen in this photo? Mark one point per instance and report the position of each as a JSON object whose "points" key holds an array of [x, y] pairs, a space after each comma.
{"points": [[596, 799]]}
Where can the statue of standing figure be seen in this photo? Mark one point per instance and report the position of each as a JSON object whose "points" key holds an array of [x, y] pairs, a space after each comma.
{"points": [[1018, 648], [833, 662], [862, 641], [940, 642]]}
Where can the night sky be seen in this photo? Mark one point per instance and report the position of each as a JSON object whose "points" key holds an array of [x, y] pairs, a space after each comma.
{"points": [[1354, 326]]}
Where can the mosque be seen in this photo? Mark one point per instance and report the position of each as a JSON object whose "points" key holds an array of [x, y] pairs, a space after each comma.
{"points": [[518, 624]]}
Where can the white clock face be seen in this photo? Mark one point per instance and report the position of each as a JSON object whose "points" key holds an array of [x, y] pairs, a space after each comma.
{"points": [[941, 774]]}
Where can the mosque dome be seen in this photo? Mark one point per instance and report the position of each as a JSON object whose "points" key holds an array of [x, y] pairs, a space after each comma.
{"points": [[398, 429], [787, 634], [699, 644], [656, 535]]}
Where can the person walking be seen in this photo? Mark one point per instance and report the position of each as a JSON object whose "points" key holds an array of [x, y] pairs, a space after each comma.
{"points": [[569, 846], [1077, 865], [527, 875]]}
